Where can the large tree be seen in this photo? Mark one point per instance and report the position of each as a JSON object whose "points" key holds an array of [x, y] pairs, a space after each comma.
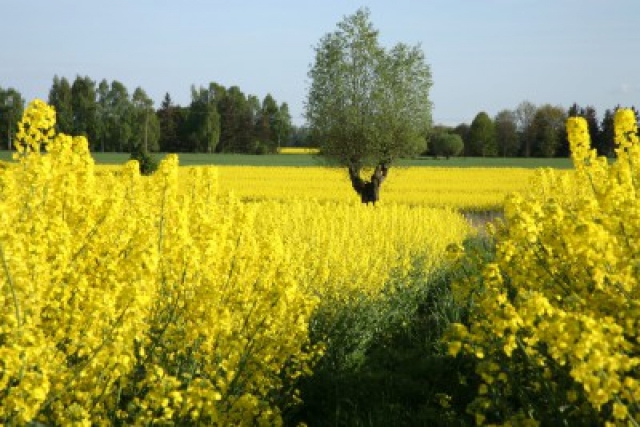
{"points": [[506, 127], [525, 112], [119, 118], [482, 136], [607, 133], [83, 102], [60, 98], [367, 105], [548, 130], [11, 109], [444, 143], [283, 126], [203, 119], [102, 114], [237, 122], [146, 129], [267, 119], [170, 121]]}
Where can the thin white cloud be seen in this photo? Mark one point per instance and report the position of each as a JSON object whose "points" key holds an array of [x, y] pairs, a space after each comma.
{"points": [[629, 89]]}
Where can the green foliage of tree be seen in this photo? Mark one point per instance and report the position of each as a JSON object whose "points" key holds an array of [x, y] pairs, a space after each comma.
{"points": [[146, 128], [273, 126], [171, 120], [445, 144], [118, 118], [60, 98], [217, 120], [482, 136], [463, 131], [102, 108], [367, 105], [11, 109], [266, 126], [203, 119], [283, 126], [525, 113], [237, 126], [607, 133], [300, 136], [83, 103], [147, 163], [506, 127], [548, 130]]}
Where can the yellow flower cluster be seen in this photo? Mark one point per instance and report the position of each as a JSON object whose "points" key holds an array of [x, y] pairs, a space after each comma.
{"points": [[558, 311], [157, 300], [138, 300], [298, 150], [472, 189]]}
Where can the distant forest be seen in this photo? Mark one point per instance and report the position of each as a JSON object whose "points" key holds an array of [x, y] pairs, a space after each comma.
{"points": [[527, 131], [226, 120], [217, 120]]}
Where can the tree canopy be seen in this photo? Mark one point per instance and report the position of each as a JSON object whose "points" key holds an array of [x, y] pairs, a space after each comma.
{"points": [[482, 136], [367, 105], [11, 108], [445, 144]]}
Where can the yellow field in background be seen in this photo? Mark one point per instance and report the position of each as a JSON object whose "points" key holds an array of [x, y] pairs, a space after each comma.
{"points": [[297, 150], [469, 189], [475, 189]]}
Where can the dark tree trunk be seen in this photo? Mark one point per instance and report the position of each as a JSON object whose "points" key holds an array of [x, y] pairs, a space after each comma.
{"points": [[369, 191]]}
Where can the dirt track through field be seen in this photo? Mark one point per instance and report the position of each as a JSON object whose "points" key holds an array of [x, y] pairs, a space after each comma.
{"points": [[479, 220]]}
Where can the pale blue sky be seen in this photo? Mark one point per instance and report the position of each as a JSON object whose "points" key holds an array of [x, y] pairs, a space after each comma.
{"points": [[485, 55]]}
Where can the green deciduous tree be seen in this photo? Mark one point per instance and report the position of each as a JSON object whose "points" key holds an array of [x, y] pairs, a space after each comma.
{"points": [[299, 137], [506, 127], [283, 126], [102, 112], [608, 133], [548, 130], [119, 118], [170, 120], [463, 131], [482, 136], [237, 122], [203, 119], [267, 124], [367, 105], [445, 144], [11, 109], [525, 111], [60, 98], [146, 129], [83, 102]]}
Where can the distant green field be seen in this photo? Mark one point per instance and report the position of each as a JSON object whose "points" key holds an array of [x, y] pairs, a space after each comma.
{"points": [[193, 159]]}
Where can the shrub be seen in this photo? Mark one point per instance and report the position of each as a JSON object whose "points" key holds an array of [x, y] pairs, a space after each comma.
{"points": [[147, 163], [446, 144]]}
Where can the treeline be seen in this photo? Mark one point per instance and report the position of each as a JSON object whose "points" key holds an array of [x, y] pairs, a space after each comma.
{"points": [[225, 120], [218, 119], [527, 131]]}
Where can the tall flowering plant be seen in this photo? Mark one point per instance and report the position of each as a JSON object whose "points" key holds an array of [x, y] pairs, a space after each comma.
{"points": [[138, 300], [554, 320]]}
